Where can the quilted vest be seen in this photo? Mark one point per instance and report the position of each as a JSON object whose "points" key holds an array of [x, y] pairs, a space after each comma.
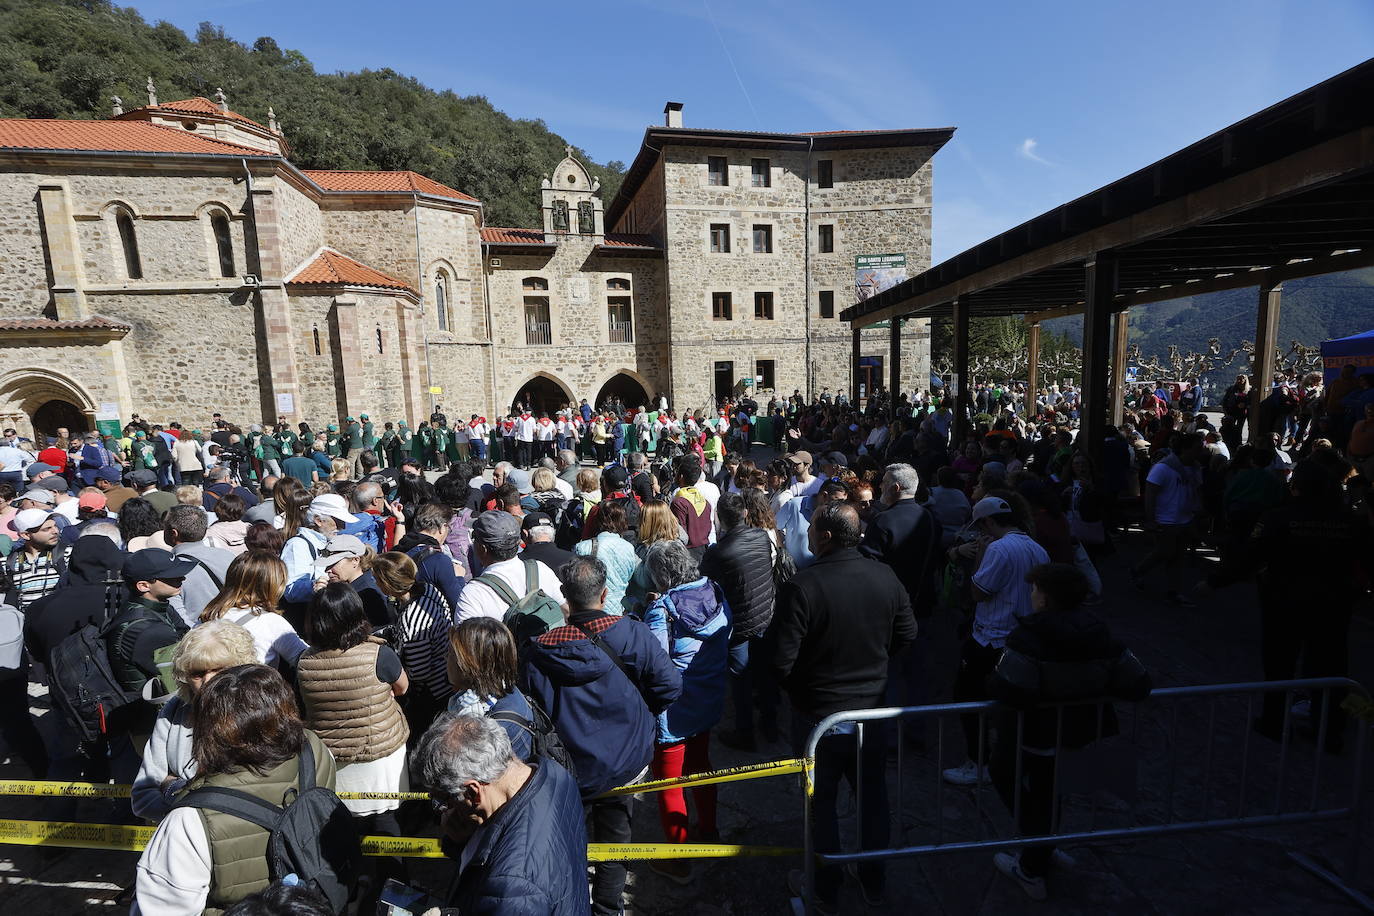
{"points": [[354, 714], [238, 849]]}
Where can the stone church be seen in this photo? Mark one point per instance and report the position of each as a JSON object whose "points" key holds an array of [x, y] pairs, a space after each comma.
{"points": [[172, 261]]}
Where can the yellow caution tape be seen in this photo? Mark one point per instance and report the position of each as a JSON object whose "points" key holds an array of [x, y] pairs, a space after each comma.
{"points": [[70, 835], [732, 774], [48, 789]]}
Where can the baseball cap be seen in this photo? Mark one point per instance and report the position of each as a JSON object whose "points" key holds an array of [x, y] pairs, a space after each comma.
{"points": [[155, 563], [91, 501], [111, 473], [38, 467], [338, 547], [989, 505], [54, 484], [332, 505], [520, 480], [39, 495], [29, 519], [536, 520], [142, 478], [497, 530], [836, 458], [615, 476], [802, 457]]}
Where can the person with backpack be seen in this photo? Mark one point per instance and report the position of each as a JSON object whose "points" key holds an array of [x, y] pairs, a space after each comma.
{"points": [[184, 530], [603, 678], [506, 580], [243, 826], [483, 669], [425, 543]]}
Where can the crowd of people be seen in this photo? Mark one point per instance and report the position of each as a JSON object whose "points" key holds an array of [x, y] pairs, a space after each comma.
{"points": [[586, 607]]}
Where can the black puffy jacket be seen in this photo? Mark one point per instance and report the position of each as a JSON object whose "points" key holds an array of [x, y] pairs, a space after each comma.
{"points": [[741, 563]]}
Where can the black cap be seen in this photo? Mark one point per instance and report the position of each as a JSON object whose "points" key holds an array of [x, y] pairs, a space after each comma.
{"points": [[143, 478], [154, 563], [615, 476], [535, 519]]}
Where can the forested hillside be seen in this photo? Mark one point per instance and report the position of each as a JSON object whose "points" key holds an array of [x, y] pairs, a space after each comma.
{"points": [[65, 58]]}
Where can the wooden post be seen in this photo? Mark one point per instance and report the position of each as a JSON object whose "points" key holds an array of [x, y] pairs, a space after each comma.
{"points": [[1120, 336], [1099, 288], [854, 370], [1262, 365], [894, 368], [1033, 367], [963, 401]]}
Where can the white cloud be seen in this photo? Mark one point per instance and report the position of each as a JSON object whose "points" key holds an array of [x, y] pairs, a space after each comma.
{"points": [[1027, 150]]}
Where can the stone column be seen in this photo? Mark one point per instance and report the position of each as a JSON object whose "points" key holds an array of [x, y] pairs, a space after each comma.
{"points": [[63, 250], [350, 355], [412, 348], [278, 338]]}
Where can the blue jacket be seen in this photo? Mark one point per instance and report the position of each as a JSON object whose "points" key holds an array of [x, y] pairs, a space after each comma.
{"points": [[692, 623], [530, 859], [605, 721], [370, 529]]}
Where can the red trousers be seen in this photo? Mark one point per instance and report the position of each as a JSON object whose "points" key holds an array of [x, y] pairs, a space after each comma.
{"points": [[685, 759]]}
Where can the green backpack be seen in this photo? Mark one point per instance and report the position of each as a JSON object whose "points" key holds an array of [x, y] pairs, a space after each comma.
{"points": [[531, 616]]}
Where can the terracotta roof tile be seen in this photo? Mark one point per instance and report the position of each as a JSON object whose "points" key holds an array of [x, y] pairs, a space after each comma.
{"points": [[329, 268], [111, 136], [406, 182], [199, 105], [629, 240], [89, 323], [499, 235]]}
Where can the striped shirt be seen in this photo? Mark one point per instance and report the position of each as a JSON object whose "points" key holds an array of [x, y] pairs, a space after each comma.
{"points": [[29, 578], [425, 624], [1002, 574]]}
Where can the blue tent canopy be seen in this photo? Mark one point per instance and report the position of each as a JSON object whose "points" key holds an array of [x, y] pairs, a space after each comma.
{"points": [[1343, 351]]}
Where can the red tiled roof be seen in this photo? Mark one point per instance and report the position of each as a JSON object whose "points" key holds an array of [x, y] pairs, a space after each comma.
{"points": [[329, 268], [499, 235], [629, 240], [90, 323], [199, 105], [407, 182], [111, 136]]}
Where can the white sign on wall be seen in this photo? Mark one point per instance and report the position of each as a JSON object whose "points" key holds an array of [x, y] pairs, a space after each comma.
{"points": [[286, 404], [108, 411], [579, 291]]}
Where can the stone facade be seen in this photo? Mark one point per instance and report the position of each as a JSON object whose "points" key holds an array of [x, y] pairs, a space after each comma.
{"points": [[182, 281]]}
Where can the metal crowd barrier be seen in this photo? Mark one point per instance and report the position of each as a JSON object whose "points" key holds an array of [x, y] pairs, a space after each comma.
{"points": [[1209, 784]]}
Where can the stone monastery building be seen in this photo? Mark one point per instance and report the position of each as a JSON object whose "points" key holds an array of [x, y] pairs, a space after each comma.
{"points": [[172, 261]]}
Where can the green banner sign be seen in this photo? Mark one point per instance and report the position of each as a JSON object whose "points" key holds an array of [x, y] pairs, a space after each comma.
{"points": [[109, 428]]}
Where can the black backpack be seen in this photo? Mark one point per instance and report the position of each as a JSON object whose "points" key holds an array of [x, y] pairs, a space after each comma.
{"points": [[312, 836], [569, 528], [543, 737], [80, 676]]}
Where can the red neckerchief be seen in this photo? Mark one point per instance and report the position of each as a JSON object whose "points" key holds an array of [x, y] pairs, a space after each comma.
{"points": [[525, 415], [545, 421]]}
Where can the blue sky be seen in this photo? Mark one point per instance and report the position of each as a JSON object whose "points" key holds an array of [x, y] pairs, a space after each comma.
{"points": [[1051, 98]]}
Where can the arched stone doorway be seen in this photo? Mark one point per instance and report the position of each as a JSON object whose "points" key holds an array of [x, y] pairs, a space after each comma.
{"points": [[624, 387], [58, 414], [541, 394], [37, 401]]}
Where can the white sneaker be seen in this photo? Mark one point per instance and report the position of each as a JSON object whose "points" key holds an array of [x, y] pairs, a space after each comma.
{"points": [[1009, 864], [966, 774]]}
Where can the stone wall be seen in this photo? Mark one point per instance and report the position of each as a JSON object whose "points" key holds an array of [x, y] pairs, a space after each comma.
{"points": [[318, 371], [301, 223], [449, 240], [24, 291], [380, 234]]}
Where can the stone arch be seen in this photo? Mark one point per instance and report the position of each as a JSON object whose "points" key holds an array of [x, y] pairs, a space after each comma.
{"points": [[442, 269], [545, 390], [23, 392], [621, 382], [224, 255], [118, 203], [571, 175]]}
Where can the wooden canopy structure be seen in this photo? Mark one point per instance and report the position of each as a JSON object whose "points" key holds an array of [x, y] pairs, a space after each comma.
{"points": [[1285, 193]]}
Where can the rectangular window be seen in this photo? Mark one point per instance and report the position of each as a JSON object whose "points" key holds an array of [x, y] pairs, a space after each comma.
{"points": [[763, 373], [763, 240], [825, 173], [763, 306], [827, 303], [825, 237], [717, 172], [721, 309], [720, 238], [538, 329], [760, 176], [620, 319]]}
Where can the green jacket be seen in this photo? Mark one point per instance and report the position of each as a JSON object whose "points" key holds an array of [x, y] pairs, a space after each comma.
{"points": [[369, 438], [355, 437], [145, 455], [271, 447], [238, 849], [331, 445]]}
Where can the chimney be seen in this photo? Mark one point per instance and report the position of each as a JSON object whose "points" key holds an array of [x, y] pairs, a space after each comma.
{"points": [[672, 114]]}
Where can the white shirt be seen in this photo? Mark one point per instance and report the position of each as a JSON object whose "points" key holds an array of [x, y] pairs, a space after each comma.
{"points": [[273, 636], [479, 431], [562, 486], [811, 488], [1176, 501], [479, 600], [1002, 574], [544, 432], [524, 429], [712, 494]]}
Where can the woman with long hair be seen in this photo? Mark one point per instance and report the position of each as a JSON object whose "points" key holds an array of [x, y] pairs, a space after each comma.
{"points": [[291, 499], [248, 737], [251, 597], [483, 668], [424, 618], [615, 553], [228, 527], [656, 523]]}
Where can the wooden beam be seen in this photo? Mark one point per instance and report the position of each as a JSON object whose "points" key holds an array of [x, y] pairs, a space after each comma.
{"points": [[894, 368], [1305, 170], [1120, 339], [962, 380], [854, 370], [1033, 366], [1100, 282], [1262, 364]]}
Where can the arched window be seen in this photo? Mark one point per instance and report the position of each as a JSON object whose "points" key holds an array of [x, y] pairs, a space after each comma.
{"points": [[379, 339], [619, 310], [441, 299], [318, 351], [538, 324], [224, 243], [133, 267]]}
